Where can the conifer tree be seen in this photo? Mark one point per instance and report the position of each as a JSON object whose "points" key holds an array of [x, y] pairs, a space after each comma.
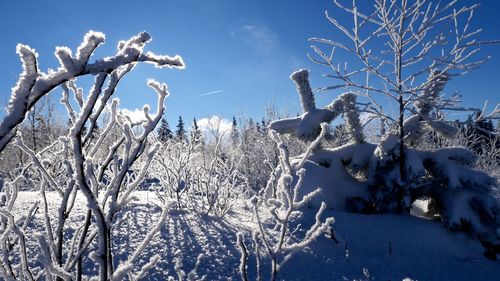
{"points": [[251, 124], [181, 132], [235, 134], [164, 132], [481, 134], [263, 126], [196, 137]]}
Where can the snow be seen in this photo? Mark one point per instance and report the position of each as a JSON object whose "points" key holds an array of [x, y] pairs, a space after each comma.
{"points": [[325, 169], [412, 127], [305, 126], [448, 163], [392, 247], [443, 128], [293, 216], [91, 41], [352, 118], [387, 247], [301, 79], [388, 148]]}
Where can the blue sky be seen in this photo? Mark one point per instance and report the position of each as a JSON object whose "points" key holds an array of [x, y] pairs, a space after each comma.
{"points": [[239, 54]]}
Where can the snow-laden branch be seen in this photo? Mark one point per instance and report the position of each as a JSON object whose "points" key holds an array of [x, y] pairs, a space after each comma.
{"points": [[33, 84], [413, 48], [278, 240], [308, 125]]}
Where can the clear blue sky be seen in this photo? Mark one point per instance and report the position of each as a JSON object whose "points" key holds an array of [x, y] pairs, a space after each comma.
{"points": [[244, 50]]}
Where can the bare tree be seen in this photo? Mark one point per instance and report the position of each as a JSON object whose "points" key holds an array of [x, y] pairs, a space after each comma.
{"points": [[106, 182], [407, 50]]}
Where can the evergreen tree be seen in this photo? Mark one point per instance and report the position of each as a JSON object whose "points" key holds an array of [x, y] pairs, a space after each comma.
{"points": [[251, 124], [481, 134], [164, 132], [235, 134], [196, 136], [263, 126], [181, 132]]}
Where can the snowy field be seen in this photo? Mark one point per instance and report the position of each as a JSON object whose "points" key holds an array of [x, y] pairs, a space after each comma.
{"points": [[379, 247], [100, 187]]}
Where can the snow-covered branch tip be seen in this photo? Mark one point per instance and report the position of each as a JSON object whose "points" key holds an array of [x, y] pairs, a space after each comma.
{"points": [[138, 41], [161, 89], [33, 85], [301, 79], [20, 93], [28, 58], [91, 41], [135, 45], [308, 125]]}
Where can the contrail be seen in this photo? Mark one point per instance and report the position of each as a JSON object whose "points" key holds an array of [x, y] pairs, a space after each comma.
{"points": [[210, 93]]}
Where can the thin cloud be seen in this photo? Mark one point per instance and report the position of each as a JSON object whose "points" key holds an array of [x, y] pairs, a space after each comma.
{"points": [[210, 93], [257, 35]]}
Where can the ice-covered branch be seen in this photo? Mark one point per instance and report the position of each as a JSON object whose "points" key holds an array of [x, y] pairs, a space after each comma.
{"points": [[412, 50], [301, 79], [277, 239], [32, 85], [307, 126]]}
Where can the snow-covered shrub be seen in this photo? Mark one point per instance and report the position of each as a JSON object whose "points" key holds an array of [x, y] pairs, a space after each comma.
{"points": [[217, 184], [257, 152], [281, 201], [409, 69], [80, 162], [199, 178], [173, 167], [364, 177], [404, 60], [486, 146]]}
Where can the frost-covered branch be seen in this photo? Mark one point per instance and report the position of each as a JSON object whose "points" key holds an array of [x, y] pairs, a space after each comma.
{"points": [[33, 84], [412, 48], [307, 126], [88, 165], [279, 241]]}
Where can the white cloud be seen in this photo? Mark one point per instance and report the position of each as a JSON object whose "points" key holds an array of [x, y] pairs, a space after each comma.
{"points": [[214, 126], [136, 115], [259, 36]]}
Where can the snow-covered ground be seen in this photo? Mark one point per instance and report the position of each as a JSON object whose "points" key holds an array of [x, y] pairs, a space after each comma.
{"points": [[377, 247]]}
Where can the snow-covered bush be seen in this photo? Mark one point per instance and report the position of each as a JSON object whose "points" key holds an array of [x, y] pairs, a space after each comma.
{"points": [[79, 162], [485, 146], [364, 177], [199, 178], [174, 169], [217, 184], [281, 201], [406, 61]]}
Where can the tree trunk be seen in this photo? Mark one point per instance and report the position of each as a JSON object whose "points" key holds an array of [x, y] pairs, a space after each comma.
{"points": [[79, 266]]}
